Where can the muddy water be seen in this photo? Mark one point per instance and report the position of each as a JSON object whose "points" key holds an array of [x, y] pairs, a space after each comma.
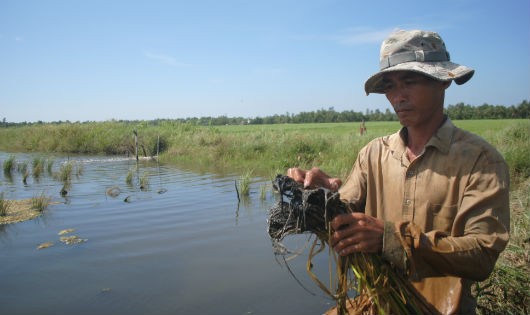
{"points": [[183, 246]]}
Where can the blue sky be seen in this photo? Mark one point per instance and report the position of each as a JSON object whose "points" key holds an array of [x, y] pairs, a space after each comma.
{"points": [[114, 59]]}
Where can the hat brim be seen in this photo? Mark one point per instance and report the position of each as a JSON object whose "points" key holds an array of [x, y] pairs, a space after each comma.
{"points": [[442, 71]]}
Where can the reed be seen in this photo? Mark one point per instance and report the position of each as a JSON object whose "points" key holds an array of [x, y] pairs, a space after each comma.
{"points": [[37, 166], [244, 183], [65, 172], [144, 181], [40, 202], [9, 164], [129, 177], [5, 205]]}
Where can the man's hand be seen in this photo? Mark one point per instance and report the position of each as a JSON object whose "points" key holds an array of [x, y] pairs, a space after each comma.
{"points": [[314, 178], [356, 232]]}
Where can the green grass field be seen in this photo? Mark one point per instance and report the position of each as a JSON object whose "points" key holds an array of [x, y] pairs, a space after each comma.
{"points": [[264, 149]]}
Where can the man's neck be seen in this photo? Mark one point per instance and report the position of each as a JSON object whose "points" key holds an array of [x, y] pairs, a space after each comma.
{"points": [[417, 137]]}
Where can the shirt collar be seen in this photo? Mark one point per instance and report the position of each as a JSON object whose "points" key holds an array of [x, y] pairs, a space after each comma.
{"points": [[441, 139]]}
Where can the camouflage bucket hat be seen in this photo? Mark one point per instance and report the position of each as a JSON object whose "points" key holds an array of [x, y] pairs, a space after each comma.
{"points": [[419, 51]]}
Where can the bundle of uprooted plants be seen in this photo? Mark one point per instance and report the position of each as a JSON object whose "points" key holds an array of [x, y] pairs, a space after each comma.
{"points": [[378, 288]]}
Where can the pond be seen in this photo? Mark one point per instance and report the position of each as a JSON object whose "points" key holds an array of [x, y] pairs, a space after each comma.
{"points": [[183, 245]]}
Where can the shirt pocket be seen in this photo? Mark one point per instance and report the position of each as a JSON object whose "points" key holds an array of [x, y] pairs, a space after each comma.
{"points": [[443, 217]]}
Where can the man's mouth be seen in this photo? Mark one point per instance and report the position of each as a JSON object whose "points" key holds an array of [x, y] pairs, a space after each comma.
{"points": [[402, 108]]}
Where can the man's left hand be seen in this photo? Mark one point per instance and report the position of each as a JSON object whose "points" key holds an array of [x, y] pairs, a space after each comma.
{"points": [[357, 232]]}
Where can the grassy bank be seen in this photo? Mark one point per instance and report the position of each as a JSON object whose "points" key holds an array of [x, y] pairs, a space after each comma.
{"points": [[269, 149], [265, 149]]}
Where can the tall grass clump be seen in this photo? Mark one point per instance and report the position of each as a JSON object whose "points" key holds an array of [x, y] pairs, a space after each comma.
{"points": [[40, 202], [5, 205], [65, 172], [23, 168], [38, 166], [9, 164], [244, 183], [129, 177], [144, 181]]}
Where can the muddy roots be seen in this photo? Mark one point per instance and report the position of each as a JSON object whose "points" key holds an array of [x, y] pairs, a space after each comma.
{"points": [[379, 288], [305, 210]]}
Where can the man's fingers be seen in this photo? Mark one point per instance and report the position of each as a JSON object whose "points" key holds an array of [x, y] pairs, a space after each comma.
{"points": [[297, 174], [314, 178], [309, 179], [334, 184]]}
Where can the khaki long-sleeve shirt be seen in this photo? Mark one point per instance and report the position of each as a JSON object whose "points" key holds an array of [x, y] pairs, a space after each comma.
{"points": [[446, 213]]}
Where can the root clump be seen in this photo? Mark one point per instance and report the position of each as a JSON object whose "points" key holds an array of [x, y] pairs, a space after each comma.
{"points": [[377, 287]]}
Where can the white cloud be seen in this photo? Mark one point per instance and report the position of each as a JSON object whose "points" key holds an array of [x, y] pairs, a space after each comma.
{"points": [[362, 35], [166, 59], [352, 36]]}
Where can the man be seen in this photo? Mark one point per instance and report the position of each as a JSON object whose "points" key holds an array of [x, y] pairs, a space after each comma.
{"points": [[432, 198]]}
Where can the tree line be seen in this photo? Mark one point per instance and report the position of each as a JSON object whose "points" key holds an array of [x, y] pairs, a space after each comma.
{"points": [[459, 111]]}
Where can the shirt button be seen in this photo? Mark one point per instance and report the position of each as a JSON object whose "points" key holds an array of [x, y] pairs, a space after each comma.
{"points": [[407, 202]]}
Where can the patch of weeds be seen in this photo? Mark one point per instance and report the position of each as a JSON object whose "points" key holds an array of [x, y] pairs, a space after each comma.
{"points": [[40, 202], [144, 181], [244, 183], [4, 205], [9, 164]]}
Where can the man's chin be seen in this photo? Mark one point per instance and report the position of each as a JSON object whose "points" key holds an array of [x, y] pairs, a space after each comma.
{"points": [[403, 122]]}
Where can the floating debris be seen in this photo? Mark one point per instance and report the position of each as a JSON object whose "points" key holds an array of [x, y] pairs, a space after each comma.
{"points": [[127, 199], [70, 240], [113, 191], [45, 245], [162, 190], [66, 231]]}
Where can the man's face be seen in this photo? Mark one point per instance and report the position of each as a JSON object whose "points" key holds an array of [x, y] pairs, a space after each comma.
{"points": [[416, 99]]}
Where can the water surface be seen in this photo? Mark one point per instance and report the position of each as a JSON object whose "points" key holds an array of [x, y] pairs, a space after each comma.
{"points": [[183, 246]]}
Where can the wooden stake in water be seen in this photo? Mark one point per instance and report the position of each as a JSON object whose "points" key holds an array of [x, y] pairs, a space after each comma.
{"points": [[136, 143], [157, 147]]}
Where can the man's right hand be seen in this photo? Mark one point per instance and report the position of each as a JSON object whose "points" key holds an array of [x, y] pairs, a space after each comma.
{"points": [[314, 178]]}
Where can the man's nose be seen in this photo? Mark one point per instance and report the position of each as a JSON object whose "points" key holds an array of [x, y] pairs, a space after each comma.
{"points": [[397, 96]]}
